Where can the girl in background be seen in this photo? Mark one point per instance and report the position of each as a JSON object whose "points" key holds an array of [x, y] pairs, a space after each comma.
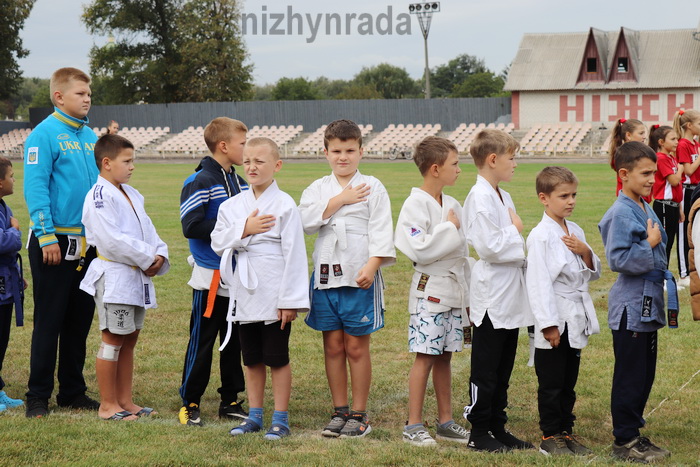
{"points": [[668, 186], [686, 124], [624, 131]]}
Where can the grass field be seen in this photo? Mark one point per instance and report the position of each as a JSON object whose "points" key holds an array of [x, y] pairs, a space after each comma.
{"points": [[81, 439]]}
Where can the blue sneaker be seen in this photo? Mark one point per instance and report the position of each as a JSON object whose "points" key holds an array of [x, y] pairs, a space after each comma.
{"points": [[8, 402]]}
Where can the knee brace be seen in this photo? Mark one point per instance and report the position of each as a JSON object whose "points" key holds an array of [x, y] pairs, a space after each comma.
{"points": [[108, 352]]}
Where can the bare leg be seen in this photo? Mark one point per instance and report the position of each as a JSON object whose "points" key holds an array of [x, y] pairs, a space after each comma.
{"points": [[281, 386], [442, 382], [125, 373], [417, 381], [106, 372], [357, 350], [336, 369], [255, 380]]}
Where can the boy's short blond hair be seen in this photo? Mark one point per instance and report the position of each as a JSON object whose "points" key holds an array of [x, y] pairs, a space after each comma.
{"points": [[432, 150], [222, 129], [110, 146], [343, 130], [550, 177], [61, 78], [492, 142], [263, 141]]}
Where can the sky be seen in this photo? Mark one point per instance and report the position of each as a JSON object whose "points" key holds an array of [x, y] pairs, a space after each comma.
{"points": [[490, 30]]}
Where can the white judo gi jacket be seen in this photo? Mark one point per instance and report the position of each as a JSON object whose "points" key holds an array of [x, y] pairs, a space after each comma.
{"points": [[438, 251], [127, 244], [272, 271], [497, 282], [352, 235], [557, 284]]}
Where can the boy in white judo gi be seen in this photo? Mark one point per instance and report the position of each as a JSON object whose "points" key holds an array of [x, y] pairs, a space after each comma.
{"points": [[351, 213], [130, 253], [498, 298], [429, 231], [269, 286], [560, 264]]}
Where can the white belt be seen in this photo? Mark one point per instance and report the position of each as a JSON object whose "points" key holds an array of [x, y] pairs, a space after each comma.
{"points": [[580, 296], [339, 230]]}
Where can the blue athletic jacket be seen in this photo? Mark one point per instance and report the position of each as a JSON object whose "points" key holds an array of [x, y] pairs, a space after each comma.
{"points": [[201, 196], [11, 282], [59, 170]]}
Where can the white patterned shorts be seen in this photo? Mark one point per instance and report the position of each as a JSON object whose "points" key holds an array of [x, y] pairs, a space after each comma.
{"points": [[434, 333], [117, 318]]}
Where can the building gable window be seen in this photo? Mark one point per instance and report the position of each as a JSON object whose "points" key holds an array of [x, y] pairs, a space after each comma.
{"points": [[591, 65]]}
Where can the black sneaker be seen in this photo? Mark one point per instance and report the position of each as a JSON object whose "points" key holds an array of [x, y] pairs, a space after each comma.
{"points": [[81, 402], [639, 449], [507, 438], [232, 410], [486, 443], [337, 423], [37, 408]]}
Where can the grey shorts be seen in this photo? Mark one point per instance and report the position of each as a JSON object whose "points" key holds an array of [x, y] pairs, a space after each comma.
{"points": [[115, 317]]}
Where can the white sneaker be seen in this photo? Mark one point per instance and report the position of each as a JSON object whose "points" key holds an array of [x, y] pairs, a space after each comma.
{"points": [[418, 436]]}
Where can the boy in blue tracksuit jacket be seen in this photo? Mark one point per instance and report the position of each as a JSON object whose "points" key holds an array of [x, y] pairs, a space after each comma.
{"points": [[11, 281], [214, 181], [59, 170]]}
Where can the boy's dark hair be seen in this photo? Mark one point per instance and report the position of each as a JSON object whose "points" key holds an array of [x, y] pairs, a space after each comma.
{"points": [[627, 155], [5, 164], [658, 133], [432, 150], [343, 130], [110, 146], [222, 129], [550, 177], [492, 142]]}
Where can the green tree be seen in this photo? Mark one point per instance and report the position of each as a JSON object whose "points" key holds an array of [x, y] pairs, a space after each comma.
{"points": [[359, 91], [294, 89], [32, 91], [168, 51], [14, 13], [444, 78], [390, 81], [480, 85]]}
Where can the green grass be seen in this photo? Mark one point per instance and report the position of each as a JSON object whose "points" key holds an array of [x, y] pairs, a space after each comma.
{"points": [[80, 438]]}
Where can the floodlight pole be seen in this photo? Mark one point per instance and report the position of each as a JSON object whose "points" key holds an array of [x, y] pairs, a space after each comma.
{"points": [[425, 11]]}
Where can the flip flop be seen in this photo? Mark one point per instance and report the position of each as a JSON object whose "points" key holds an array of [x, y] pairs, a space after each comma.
{"points": [[119, 416], [146, 412]]}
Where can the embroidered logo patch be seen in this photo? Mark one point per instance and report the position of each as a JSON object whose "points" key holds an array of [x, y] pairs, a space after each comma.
{"points": [[433, 299], [646, 308], [422, 282], [413, 231], [324, 274], [146, 294], [33, 155], [62, 136], [337, 270]]}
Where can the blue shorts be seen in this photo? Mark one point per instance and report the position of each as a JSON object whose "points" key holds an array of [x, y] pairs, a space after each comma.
{"points": [[356, 311]]}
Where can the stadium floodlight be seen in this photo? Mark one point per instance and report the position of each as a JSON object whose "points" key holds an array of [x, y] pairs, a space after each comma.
{"points": [[425, 11]]}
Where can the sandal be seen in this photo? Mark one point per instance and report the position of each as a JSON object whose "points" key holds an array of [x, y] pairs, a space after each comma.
{"points": [[119, 416], [146, 412], [246, 426], [277, 432]]}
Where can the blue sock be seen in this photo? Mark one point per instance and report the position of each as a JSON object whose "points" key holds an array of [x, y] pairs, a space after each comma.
{"points": [[281, 418], [256, 414]]}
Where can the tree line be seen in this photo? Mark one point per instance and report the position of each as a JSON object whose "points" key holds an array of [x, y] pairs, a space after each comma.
{"points": [[164, 51]]}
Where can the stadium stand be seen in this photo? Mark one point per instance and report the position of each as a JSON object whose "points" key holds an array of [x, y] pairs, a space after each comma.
{"points": [[191, 140], [140, 137], [279, 134], [313, 143], [12, 143], [464, 134], [554, 138], [401, 136]]}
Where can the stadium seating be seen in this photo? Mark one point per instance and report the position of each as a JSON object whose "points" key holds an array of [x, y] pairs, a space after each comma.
{"points": [[401, 136], [313, 143], [554, 138], [279, 134], [464, 134], [140, 137], [12, 143]]}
